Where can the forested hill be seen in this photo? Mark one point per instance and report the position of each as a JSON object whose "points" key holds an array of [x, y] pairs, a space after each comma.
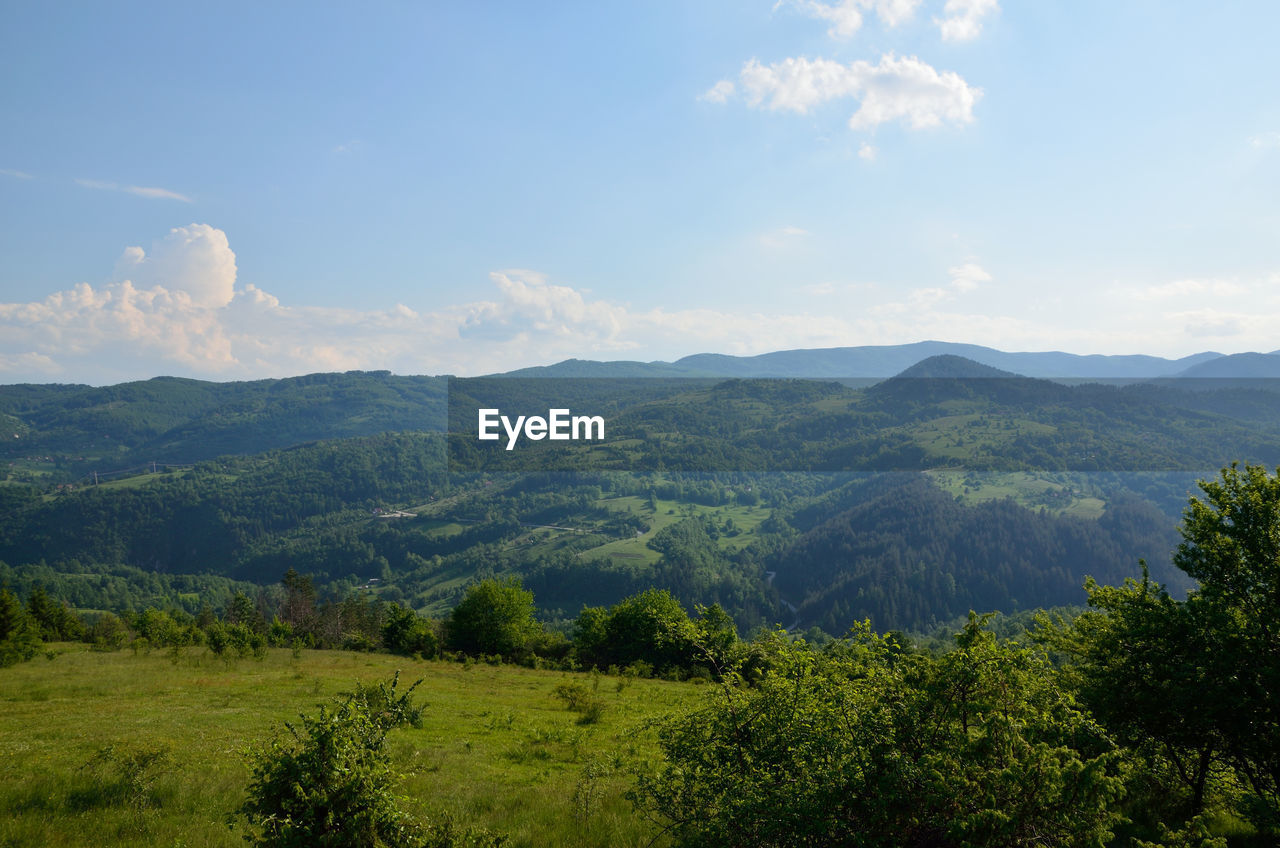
{"points": [[992, 514], [175, 420], [904, 551], [944, 412]]}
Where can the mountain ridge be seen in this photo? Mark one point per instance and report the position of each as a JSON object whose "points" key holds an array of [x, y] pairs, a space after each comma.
{"points": [[883, 362]]}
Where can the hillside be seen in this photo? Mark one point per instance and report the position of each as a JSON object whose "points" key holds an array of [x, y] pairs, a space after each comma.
{"points": [[64, 432], [758, 495]]}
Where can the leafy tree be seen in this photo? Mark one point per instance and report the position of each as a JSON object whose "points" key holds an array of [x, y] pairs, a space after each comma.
{"points": [[866, 746], [495, 617], [405, 632], [108, 633], [1231, 544], [1139, 666], [651, 627], [1194, 685], [589, 637]]}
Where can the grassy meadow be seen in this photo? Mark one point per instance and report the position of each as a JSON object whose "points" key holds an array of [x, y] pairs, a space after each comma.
{"points": [[149, 748]]}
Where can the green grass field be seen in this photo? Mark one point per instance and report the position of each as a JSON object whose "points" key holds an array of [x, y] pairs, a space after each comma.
{"points": [[497, 747], [1057, 493]]}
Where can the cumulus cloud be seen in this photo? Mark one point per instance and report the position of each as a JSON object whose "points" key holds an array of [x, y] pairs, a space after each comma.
{"points": [[195, 262], [178, 308], [846, 16], [962, 19], [895, 89]]}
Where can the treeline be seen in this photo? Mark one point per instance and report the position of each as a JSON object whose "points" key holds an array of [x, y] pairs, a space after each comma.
{"points": [[647, 634]]}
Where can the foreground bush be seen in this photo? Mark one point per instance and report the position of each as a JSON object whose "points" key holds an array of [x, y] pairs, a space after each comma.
{"points": [[867, 746], [329, 783]]}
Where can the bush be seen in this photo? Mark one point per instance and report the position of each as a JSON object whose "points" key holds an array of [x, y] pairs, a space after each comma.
{"points": [[329, 783], [875, 748], [495, 617]]}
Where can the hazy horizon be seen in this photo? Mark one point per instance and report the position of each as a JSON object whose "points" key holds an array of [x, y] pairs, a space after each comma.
{"points": [[290, 189]]}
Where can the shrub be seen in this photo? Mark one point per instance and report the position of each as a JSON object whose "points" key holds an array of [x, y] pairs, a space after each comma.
{"points": [[329, 783]]}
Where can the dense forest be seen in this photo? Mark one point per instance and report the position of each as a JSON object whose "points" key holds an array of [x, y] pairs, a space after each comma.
{"points": [[987, 514]]}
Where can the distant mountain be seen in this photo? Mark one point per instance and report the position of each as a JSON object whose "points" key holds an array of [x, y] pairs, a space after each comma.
{"points": [[950, 367], [586, 368], [1236, 366], [881, 362]]}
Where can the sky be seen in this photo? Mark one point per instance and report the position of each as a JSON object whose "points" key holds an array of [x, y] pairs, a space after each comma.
{"points": [[254, 190]]}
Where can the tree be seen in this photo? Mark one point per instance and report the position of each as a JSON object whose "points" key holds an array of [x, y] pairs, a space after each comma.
{"points": [[1231, 544], [56, 622], [651, 627], [241, 610], [405, 632], [1194, 685], [494, 617], [1139, 666], [866, 746], [299, 607], [19, 634]]}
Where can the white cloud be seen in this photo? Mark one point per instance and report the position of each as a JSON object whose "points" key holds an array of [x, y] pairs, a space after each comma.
{"points": [[867, 152], [905, 89], [139, 191], [20, 175], [968, 277], [718, 93], [962, 19], [914, 92], [194, 261], [845, 16], [156, 193], [179, 309]]}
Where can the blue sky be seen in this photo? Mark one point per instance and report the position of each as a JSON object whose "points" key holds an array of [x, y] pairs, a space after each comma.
{"points": [[256, 189]]}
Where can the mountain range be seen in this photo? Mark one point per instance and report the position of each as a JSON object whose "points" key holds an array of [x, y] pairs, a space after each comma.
{"points": [[884, 361]]}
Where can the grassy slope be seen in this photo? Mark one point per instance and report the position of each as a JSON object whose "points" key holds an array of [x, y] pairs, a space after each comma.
{"points": [[497, 747]]}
